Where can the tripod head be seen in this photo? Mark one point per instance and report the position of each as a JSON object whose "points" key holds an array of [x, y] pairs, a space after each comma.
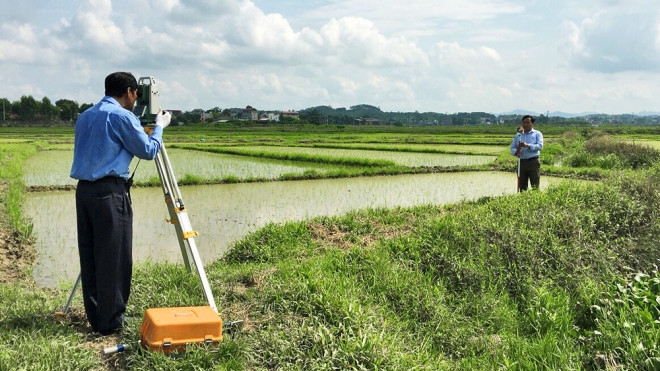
{"points": [[147, 106]]}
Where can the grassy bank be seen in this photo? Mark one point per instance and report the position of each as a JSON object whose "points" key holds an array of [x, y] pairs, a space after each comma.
{"points": [[534, 281], [16, 254], [554, 280]]}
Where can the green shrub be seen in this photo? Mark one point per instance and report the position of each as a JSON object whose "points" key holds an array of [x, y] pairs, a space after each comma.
{"points": [[604, 152], [609, 161], [579, 159], [631, 155]]}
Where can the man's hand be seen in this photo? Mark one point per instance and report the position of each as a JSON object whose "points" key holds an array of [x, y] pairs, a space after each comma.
{"points": [[163, 119]]}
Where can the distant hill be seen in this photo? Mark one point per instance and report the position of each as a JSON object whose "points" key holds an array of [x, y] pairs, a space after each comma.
{"points": [[367, 114], [568, 115], [520, 112], [647, 113]]}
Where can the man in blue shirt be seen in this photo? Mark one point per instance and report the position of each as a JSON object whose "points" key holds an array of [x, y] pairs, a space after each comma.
{"points": [[107, 137], [530, 144]]}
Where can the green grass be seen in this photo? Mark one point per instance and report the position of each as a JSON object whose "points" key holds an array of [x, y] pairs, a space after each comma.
{"points": [[474, 287], [564, 279], [32, 339], [12, 157], [294, 156]]}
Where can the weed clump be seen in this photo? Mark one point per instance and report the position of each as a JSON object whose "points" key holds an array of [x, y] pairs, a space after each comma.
{"points": [[605, 152]]}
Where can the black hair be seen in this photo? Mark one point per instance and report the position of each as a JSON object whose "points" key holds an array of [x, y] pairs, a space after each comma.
{"points": [[116, 83], [530, 117]]}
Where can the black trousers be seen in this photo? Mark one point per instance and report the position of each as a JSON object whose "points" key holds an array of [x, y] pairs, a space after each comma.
{"points": [[105, 245], [530, 170]]}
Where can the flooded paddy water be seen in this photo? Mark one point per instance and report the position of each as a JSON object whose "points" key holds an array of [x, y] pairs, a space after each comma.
{"points": [[52, 167], [222, 214], [225, 213]]}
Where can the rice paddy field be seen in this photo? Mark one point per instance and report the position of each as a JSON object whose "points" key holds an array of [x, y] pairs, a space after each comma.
{"points": [[51, 168], [212, 156], [563, 278]]}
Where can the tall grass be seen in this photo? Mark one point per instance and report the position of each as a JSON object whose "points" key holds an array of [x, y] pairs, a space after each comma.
{"points": [[11, 161], [605, 152], [501, 283]]}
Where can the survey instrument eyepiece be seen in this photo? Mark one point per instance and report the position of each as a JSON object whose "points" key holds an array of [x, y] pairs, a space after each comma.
{"points": [[146, 105]]}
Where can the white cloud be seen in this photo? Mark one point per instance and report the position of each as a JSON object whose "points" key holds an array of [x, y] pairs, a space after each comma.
{"points": [[453, 55], [348, 86], [92, 30], [197, 11], [615, 39], [356, 41], [482, 55], [396, 14], [20, 43]]}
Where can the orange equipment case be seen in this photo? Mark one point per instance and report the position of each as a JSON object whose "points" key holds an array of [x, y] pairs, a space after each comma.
{"points": [[169, 329]]}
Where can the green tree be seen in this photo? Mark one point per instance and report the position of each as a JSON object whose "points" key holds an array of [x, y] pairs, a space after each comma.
{"points": [[68, 109], [226, 113], [313, 117], [6, 108], [26, 108], [47, 110], [216, 112], [84, 107], [288, 120]]}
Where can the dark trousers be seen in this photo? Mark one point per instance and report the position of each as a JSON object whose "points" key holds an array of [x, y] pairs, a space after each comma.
{"points": [[105, 245], [530, 170]]}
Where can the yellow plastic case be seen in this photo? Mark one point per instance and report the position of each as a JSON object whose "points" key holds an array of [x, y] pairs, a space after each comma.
{"points": [[169, 329]]}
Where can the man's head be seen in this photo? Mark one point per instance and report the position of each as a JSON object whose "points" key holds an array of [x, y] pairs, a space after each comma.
{"points": [[123, 87], [527, 123]]}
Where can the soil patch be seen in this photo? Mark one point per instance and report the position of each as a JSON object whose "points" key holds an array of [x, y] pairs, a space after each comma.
{"points": [[16, 256], [17, 253], [48, 188]]}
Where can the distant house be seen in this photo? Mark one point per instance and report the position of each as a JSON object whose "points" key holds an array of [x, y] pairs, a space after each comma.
{"points": [[203, 116], [368, 121], [290, 113], [266, 117], [206, 116], [272, 116], [250, 113]]}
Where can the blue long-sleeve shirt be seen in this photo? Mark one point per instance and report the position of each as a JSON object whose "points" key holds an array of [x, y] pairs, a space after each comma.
{"points": [[107, 137], [535, 140]]}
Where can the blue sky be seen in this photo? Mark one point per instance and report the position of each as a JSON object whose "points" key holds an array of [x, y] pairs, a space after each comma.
{"points": [[416, 55]]}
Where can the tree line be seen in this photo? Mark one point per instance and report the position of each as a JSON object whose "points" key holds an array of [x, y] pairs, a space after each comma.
{"points": [[27, 111], [356, 115]]}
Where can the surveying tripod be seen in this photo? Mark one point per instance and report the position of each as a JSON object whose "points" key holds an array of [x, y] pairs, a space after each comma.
{"points": [[179, 218]]}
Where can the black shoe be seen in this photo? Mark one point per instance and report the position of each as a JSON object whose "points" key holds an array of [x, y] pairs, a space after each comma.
{"points": [[123, 323], [111, 331]]}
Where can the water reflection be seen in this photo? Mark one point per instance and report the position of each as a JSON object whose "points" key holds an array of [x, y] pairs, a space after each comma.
{"points": [[225, 213]]}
